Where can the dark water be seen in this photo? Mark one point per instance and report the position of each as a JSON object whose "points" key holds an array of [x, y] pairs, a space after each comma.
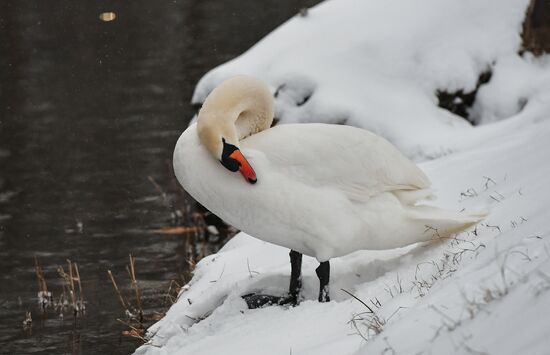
{"points": [[88, 111]]}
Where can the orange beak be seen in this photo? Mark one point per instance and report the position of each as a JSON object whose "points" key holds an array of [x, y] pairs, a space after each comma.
{"points": [[244, 167]]}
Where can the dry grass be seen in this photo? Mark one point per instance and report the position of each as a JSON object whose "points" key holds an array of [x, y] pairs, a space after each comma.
{"points": [[123, 302], [71, 297], [136, 318], [71, 280], [368, 323], [173, 292], [133, 311], [44, 296]]}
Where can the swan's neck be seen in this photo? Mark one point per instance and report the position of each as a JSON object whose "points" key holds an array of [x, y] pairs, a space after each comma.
{"points": [[252, 119], [238, 108]]}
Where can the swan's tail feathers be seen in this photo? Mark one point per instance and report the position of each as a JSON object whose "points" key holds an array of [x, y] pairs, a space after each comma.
{"points": [[413, 196], [440, 223]]}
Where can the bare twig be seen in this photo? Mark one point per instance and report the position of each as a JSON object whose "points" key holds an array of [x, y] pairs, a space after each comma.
{"points": [[430, 228], [250, 271], [492, 227], [80, 293], [363, 303], [160, 190], [488, 180], [120, 297], [42, 285], [471, 192], [135, 286]]}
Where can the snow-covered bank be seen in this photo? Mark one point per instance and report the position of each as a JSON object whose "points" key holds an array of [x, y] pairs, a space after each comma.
{"points": [[470, 293], [377, 64]]}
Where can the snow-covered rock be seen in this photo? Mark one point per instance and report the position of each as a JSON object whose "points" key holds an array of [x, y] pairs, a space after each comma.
{"points": [[376, 64]]}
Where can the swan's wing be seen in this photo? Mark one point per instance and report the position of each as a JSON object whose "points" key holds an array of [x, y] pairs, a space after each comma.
{"points": [[351, 160]]}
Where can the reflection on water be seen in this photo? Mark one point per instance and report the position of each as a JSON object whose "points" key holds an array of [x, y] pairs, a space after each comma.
{"points": [[88, 111]]}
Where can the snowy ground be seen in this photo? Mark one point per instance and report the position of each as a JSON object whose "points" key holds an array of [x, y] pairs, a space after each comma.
{"points": [[377, 64]]}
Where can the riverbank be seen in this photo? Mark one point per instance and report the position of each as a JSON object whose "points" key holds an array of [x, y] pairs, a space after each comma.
{"points": [[385, 66]]}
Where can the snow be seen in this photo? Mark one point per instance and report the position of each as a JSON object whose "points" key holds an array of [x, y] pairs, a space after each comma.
{"points": [[376, 64], [515, 79]]}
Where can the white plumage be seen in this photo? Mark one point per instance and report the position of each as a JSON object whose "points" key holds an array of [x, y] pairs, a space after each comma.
{"points": [[322, 190]]}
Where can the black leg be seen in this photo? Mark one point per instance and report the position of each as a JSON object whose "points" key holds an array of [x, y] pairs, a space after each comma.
{"points": [[323, 273], [295, 276], [254, 300]]}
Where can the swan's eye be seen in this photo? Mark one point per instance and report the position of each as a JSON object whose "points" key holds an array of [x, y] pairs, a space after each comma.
{"points": [[230, 163]]}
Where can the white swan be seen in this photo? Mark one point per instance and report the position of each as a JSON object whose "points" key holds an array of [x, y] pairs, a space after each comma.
{"points": [[322, 190]]}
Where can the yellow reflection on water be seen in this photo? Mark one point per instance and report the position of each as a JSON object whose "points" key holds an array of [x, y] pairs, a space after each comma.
{"points": [[107, 16]]}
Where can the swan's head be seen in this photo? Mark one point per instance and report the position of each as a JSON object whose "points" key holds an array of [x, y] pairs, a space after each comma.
{"points": [[234, 110]]}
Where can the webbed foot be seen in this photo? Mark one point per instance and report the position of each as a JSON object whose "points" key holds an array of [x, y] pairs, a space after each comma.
{"points": [[254, 300]]}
